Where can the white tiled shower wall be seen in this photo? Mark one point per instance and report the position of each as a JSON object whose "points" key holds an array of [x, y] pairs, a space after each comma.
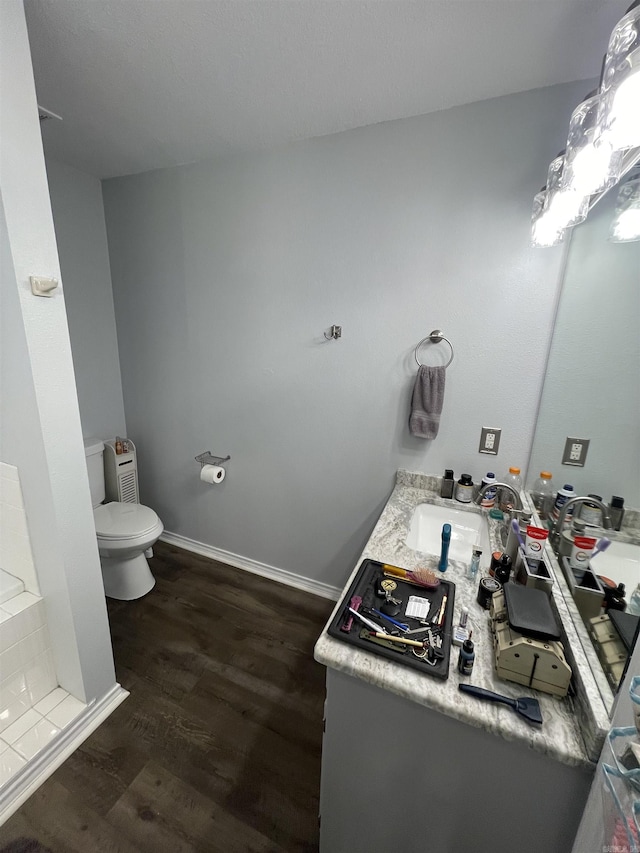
{"points": [[15, 546], [27, 672]]}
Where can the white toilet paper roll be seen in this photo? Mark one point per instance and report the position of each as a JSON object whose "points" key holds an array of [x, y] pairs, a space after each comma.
{"points": [[212, 474]]}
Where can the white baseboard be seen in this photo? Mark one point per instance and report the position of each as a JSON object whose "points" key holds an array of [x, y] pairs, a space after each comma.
{"points": [[38, 769], [266, 571]]}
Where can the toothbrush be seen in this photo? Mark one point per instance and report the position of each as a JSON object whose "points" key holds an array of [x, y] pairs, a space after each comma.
{"points": [[401, 625], [602, 545], [444, 553], [373, 626], [516, 529]]}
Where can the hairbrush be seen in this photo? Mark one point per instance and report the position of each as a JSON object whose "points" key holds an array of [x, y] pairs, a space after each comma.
{"points": [[419, 577]]}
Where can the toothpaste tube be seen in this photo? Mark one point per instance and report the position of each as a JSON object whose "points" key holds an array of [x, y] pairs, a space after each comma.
{"points": [[581, 551], [534, 542]]}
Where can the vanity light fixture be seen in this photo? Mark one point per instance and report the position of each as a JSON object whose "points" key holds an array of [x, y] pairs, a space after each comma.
{"points": [[626, 224], [544, 232], [566, 207], [602, 146], [619, 115], [590, 165]]}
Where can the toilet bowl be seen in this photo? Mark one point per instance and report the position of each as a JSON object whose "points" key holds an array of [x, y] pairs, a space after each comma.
{"points": [[124, 531]]}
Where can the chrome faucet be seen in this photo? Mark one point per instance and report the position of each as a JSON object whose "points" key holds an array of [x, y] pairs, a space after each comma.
{"points": [[498, 486], [556, 530]]}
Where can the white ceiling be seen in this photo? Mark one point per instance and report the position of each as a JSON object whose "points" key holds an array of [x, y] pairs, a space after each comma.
{"points": [[143, 84]]}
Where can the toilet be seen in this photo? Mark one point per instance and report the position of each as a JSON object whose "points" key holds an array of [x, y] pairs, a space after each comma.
{"points": [[124, 532]]}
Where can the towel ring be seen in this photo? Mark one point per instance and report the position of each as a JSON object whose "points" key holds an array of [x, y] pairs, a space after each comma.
{"points": [[434, 337]]}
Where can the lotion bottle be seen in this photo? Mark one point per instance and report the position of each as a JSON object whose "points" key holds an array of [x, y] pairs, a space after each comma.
{"points": [[489, 499], [562, 497]]}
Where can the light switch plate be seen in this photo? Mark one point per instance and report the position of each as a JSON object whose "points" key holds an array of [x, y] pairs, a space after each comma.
{"points": [[575, 452], [489, 440]]}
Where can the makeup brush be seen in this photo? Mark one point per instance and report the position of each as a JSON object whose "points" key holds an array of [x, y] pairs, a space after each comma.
{"points": [[418, 577]]}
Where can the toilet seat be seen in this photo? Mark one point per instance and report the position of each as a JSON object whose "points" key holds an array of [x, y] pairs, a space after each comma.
{"points": [[124, 520]]}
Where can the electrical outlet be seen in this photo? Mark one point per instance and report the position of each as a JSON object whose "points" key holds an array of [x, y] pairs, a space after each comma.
{"points": [[489, 440], [575, 452]]}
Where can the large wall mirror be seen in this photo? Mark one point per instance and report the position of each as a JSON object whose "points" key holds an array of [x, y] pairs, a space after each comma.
{"points": [[592, 391]]}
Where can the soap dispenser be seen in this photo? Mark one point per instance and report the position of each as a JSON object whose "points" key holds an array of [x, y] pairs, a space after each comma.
{"points": [[616, 511], [446, 489]]}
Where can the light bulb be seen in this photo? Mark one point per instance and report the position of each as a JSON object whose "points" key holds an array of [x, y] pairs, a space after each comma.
{"points": [[566, 208], [591, 169], [590, 165], [544, 233]]}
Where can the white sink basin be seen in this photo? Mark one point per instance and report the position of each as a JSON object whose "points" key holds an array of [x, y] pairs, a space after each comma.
{"points": [[467, 529], [621, 563]]}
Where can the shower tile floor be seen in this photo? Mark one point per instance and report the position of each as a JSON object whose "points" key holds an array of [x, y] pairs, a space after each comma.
{"points": [[35, 729]]}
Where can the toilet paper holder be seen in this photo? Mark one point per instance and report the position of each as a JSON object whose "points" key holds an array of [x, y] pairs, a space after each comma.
{"points": [[207, 459]]}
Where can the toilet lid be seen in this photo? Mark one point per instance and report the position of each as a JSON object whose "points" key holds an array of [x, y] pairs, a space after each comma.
{"points": [[123, 521]]}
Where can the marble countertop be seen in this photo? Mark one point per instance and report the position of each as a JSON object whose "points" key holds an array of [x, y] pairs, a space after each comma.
{"points": [[565, 720]]}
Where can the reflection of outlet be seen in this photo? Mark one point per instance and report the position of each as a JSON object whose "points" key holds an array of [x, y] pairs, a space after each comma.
{"points": [[575, 451], [489, 440]]}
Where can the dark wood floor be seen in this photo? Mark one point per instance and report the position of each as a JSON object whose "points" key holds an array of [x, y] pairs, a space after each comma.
{"points": [[218, 746]]}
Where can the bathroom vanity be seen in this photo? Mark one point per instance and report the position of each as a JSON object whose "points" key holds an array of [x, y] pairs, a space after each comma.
{"points": [[411, 763]]}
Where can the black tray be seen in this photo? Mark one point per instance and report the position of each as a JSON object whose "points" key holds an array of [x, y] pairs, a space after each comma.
{"points": [[369, 575], [530, 613], [626, 624]]}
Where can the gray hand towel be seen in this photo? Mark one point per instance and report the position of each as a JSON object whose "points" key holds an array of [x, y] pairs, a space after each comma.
{"points": [[426, 403]]}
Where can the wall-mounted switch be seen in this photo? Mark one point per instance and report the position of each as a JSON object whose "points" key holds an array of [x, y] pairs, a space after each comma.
{"points": [[575, 452], [489, 440]]}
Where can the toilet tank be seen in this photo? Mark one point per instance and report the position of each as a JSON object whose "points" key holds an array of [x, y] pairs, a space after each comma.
{"points": [[93, 450]]}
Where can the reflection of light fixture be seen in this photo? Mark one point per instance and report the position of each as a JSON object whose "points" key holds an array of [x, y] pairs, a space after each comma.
{"points": [[565, 207], [590, 164], [544, 231], [626, 224]]}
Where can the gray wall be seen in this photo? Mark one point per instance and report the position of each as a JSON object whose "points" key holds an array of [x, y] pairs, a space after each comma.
{"points": [[78, 218], [225, 275], [592, 388]]}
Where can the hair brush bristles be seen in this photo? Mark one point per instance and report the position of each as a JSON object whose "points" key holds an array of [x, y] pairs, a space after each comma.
{"points": [[419, 577], [425, 577]]}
